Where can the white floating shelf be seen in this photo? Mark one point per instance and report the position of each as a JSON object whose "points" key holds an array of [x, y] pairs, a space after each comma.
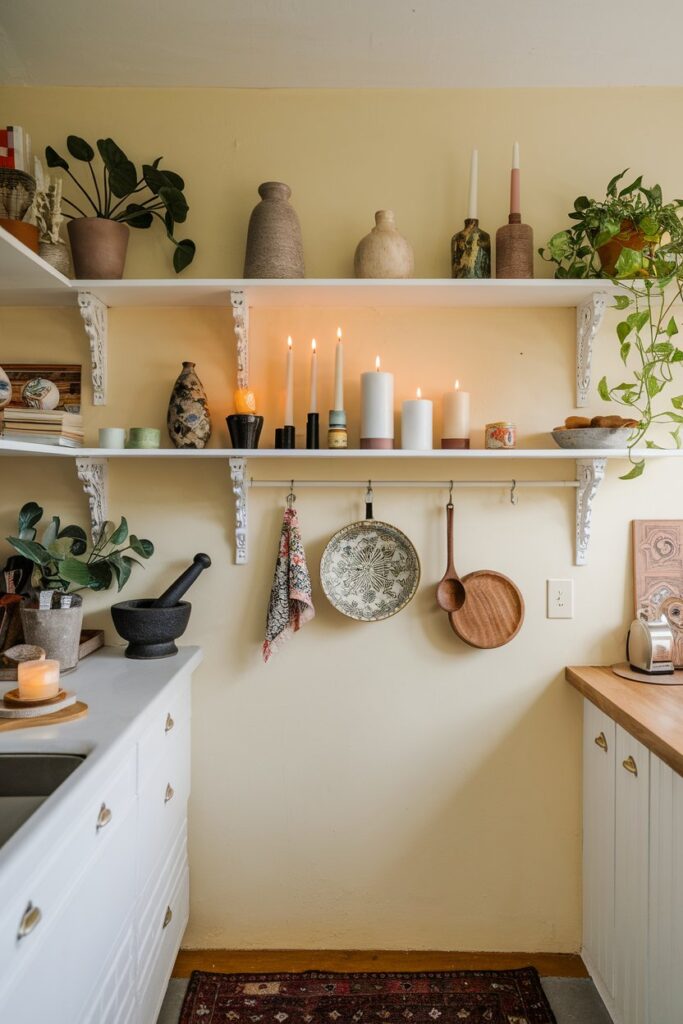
{"points": [[349, 454], [27, 280]]}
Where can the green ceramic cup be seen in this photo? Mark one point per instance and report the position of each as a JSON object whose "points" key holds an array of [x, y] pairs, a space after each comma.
{"points": [[143, 437]]}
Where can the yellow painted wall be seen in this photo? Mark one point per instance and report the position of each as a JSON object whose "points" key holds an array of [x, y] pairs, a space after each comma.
{"points": [[374, 785]]}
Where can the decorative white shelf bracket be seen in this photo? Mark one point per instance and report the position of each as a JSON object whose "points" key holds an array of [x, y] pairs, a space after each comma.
{"points": [[95, 318], [589, 316], [589, 473], [240, 315], [238, 475], [94, 476]]}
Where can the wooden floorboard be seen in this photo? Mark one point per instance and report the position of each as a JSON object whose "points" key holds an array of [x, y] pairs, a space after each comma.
{"points": [[235, 961]]}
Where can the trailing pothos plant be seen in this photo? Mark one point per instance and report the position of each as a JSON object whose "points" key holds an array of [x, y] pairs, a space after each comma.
{"points": [[63, 561], [625, 214], [646, 337], [160, 193]]}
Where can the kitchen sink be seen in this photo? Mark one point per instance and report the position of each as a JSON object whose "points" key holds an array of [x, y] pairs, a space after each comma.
{"points": [[26, 781]]}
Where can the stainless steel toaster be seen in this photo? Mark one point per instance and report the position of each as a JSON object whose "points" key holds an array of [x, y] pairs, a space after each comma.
{"points": [[650, 646]]}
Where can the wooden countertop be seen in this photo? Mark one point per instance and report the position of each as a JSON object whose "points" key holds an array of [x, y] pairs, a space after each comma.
{"points": [[651, 713]]}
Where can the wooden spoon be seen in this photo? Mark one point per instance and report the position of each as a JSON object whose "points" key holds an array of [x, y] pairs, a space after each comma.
{"points": [[450, 592]]}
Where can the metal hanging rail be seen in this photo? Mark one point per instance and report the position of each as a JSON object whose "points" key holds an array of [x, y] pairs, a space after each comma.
{"points": [[512, 485]]}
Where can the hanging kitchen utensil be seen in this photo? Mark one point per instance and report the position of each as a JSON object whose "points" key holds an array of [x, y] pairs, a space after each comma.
{"points": [[450, 592], [493, 612], [369, 570]]}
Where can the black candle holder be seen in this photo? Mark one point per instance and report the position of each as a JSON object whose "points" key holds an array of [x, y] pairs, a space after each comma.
{"points": [[313, 430], [288, 436], [278, 437], [245, 429]]}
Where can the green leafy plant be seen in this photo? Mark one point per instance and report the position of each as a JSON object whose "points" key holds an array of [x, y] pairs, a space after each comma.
{"points": [[62, 560], [646, 344], [633, 214], [160, 193]]}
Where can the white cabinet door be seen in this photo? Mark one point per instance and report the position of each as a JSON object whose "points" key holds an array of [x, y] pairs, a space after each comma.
{"points": [[631, 862], [599, 741], [666, 895]]}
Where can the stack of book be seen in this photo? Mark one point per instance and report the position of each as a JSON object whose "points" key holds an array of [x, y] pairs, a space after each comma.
{"points": [[43, 426], [15, 148]]}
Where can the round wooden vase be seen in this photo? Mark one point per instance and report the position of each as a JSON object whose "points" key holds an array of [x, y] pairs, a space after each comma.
{"points": [[515, 249], [98, 247], [384, 252], [188, 419], [274, 244]]}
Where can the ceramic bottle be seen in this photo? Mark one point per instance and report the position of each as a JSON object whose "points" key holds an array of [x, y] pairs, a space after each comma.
{"points": [[274, 244], [384, 252], [188, 420], [5, 389]]}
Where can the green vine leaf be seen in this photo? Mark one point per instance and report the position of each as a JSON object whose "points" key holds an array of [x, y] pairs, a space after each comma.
{"points": [[637, 471], [603, 390]]}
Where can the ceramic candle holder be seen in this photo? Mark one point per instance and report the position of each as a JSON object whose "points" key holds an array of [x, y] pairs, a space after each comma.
{"points": [[245, 429], [143, 437]]}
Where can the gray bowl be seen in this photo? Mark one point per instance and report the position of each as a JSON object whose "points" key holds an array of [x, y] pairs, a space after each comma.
{"points": [[593, 437], [150, 631]]}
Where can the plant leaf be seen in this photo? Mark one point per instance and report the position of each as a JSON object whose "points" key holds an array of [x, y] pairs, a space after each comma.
{"points": [[121, 569], [30, 549], [175, 202], [143, 548], [53, 159], [29, 515], [101, 575], [677, 402], [635, 472], [78, 537], [73, 571], [623, 330], [621, 302], [122, 174], [183, 255], [79, 148], [51, 532], [120, 533], [603, 390], [629, 263], [136, 216], [623, 352], [672, 328]]}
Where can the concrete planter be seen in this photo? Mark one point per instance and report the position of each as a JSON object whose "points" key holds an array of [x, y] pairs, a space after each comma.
{"points": [[57, 631]]}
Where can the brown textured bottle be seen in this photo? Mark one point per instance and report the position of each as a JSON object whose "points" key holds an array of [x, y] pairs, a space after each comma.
{"points": [[274, 245]]}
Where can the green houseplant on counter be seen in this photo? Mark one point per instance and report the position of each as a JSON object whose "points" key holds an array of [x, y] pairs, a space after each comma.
{"points": [[64, 565], [119, 199]]}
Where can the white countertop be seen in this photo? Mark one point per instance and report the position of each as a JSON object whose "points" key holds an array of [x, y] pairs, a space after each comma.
{"points": [[117, 691]]}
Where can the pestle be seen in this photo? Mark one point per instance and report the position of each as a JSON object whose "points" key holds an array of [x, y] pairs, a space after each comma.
{"points": [[172, 596]]}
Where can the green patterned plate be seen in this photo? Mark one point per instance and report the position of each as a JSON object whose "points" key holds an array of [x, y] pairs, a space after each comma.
{"points": [[369, 571]]}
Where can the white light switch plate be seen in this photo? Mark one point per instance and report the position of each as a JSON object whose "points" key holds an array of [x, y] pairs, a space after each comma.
{"points": [[560, 599]]}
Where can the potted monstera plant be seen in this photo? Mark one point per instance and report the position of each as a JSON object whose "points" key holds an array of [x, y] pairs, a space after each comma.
{"points": [[64, 565], [119, 198]]}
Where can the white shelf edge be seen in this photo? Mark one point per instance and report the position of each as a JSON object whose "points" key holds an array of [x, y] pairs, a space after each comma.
{"points": [[350, 454]]}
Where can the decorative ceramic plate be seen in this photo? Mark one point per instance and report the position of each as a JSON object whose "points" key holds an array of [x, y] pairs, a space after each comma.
{"points": [[369, 571]]}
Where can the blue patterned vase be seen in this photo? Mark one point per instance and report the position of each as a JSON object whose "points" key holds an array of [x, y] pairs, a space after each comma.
{"points": [[188, 420]]}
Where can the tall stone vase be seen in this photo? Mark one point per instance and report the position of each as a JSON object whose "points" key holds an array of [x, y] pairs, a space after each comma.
{"points": [[188, 419], [274, 244]]}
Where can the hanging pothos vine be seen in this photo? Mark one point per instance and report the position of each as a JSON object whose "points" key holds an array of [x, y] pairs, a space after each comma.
{"points": [[635, 240]]}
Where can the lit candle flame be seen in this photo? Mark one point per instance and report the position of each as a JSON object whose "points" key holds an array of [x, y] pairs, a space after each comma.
{"points": [[377, 364], [339, 334], [289, 342], [457, 385], [314, 346], [419, 392]]}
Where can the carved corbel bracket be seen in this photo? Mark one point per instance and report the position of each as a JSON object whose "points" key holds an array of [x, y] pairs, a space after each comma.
{"points": [[589, 316], [95, 318], [240, 315], [238, 476], [94, 476], [589, 473]]}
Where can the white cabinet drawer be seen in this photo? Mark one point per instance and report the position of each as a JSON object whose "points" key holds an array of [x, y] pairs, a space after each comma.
{"points": [[155, 899], [631, 864], [163, 806], [51, 984], [160, 965], [665, 986], [599, 759], [112, 999], [161, 738], [65, 865]]}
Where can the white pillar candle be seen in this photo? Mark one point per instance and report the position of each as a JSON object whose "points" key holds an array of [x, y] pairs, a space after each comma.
{"points": [[474, 176], [416, 424], [377, 409], [339, 373], [313, 398], [289, 396], [38, 680], [456, 414]]}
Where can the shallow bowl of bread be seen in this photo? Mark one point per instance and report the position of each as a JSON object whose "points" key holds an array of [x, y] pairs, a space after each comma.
{"points": [[598, 432]]}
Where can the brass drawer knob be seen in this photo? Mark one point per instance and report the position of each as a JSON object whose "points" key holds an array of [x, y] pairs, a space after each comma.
{"points": [[29, 921], [103, 818], [170, 793], [168, 917], [169, 722], [630, 765], [601, 741]]}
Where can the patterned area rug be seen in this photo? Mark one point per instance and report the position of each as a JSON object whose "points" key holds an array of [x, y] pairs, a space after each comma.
{"points": [[314, 997]]}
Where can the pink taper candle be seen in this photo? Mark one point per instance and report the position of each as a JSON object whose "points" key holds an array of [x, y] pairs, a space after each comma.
{"points": [[515, 202]]}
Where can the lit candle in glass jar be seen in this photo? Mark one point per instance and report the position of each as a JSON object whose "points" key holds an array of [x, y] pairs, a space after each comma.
{"points": [[38, 680]]}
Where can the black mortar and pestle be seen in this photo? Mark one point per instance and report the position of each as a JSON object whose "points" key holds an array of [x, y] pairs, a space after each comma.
{"points": [[151, 626]]}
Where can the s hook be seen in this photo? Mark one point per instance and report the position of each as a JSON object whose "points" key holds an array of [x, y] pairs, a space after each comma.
{"points": [[513, 493]]}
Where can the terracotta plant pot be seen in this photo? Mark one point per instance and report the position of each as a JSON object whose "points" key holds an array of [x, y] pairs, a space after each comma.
{"points": [[26, 233], [98, 247], [629, 237]]}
